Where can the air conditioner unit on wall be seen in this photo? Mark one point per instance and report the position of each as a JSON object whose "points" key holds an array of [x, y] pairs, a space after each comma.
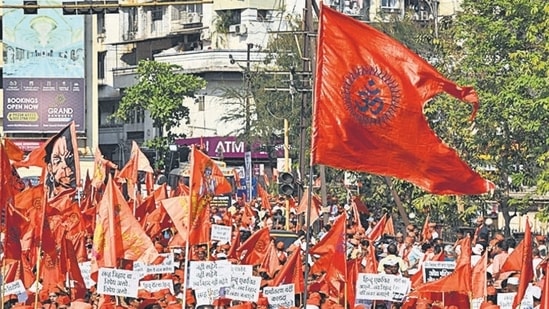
{"points": [[234, 28], [238, 29]]}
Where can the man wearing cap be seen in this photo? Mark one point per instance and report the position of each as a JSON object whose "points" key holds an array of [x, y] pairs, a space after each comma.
{"points": [[391, 260]]}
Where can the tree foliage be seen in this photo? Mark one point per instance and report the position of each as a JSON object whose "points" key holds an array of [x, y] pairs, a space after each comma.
{"points": [[160, 90], [500, 47]]}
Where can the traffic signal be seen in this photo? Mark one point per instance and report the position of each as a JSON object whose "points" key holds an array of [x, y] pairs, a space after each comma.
{"points": [[30, 7], [286, 184], [90, 7]]}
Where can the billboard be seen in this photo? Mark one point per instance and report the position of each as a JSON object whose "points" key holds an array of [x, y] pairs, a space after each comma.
{"points": [[43, 76]]}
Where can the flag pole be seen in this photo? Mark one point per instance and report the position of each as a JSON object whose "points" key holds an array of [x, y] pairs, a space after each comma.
{"points": [[308, 233], [188, 223]]}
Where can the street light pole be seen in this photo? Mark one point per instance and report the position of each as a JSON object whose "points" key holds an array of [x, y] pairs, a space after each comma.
{"points": [[247, 141], [247, 102]]}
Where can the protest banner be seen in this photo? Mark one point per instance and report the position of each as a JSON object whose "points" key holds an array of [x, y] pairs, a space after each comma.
{"points": [[244, 288], [157, 285], [434, 270], [382, 287], [14, 288], [209, 275], [117, 282], [85, 270], [221, 233], [280, 296]]}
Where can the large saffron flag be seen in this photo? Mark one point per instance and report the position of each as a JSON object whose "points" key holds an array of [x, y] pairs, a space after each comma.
{"points": [[117, 234], [368, 113]]}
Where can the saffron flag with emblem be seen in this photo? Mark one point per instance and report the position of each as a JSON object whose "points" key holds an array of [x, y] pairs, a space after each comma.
{"points": [[254, 249], [368, 113]]}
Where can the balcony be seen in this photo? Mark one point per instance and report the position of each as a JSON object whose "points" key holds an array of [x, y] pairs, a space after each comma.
{"points": [[202, 61]]}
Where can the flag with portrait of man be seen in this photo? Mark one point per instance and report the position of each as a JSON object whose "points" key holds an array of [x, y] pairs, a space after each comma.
{"points": [[62, 162]]}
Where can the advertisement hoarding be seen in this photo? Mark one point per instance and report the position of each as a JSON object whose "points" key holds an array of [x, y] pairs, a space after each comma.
{"points": [[43, 76]]}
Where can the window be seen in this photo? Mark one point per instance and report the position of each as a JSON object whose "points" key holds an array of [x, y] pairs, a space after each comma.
{"points": [[390, 4], [156, 14], [101, 65]]}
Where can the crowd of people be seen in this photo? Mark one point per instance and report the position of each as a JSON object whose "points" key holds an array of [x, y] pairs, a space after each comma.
{"points": [[401, 253]]}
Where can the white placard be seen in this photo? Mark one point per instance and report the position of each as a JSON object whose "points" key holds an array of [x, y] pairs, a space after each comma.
{"points": [[434, 270], [244, 288], [157, 285], [382, 287], [280, 296], [505, 300], [208, 275], [16, 287], [222, 233], [85, 270], [117, 282], [206, 296], [241, 270]]}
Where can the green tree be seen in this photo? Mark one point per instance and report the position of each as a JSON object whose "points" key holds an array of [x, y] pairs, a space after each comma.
{"points": [[500, 47], [160, 90]]}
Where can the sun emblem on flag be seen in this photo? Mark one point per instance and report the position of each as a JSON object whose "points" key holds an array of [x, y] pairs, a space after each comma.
{"points": [[371, 95]]}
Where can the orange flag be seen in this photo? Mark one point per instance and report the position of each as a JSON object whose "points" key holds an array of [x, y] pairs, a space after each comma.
{"points": [[35, 157], [369, 100], [265, 197], [389, 227], [235, 244], [521, 260], [371, 260], [16, 225], [352, 276], [359, 205], [292, 272], [137, 162], [459, 280], [117, 233], [8, 181], [545, 289], [270, 262], [206, 181], [316, 205], [377, 231], [254, 249], [331, 249], [201, 228], [479, 277], [425, 232], [13, 151], [100, 169]]}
